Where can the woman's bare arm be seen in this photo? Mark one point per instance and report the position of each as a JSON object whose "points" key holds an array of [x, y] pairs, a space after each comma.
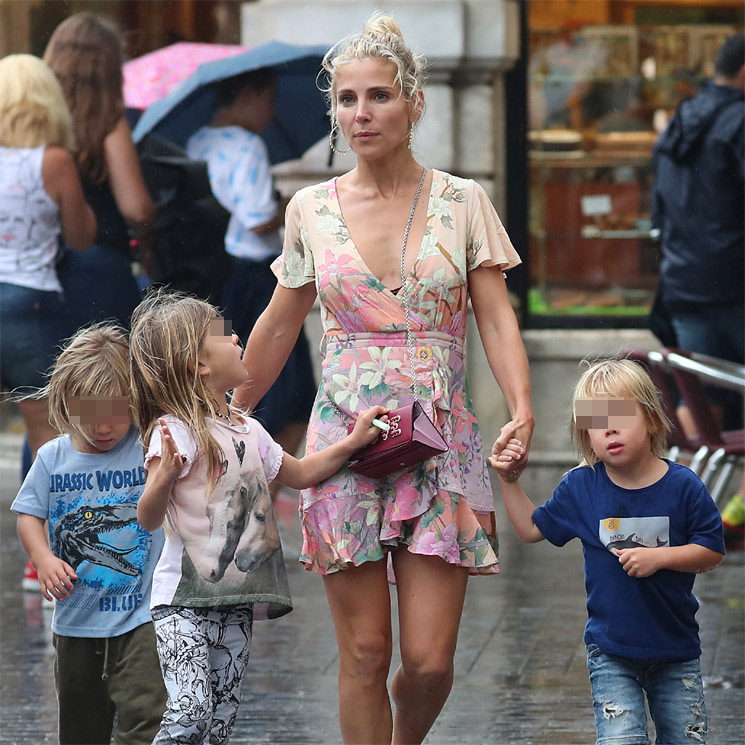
{"points": [[272, 339], [131, 194], [505, 352], [62, 182]]}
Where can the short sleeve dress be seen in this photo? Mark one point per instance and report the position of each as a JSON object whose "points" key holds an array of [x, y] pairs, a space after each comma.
{"points": [[349, 518]]}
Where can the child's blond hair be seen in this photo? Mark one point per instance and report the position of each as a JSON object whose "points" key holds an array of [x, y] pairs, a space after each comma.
{"points": [[168, 330], [93, 363], [619, 378]]}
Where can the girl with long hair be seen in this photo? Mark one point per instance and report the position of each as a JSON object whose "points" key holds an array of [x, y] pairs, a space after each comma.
{"points": [[209, 469], [85, 52]]}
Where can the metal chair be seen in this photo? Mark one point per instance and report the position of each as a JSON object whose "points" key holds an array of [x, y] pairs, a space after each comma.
{"points": [[727, 446], [695, 449]]}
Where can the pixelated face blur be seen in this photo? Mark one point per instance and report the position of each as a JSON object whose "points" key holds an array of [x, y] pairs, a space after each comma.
{"points": [[103, 422], [616, 428], [220, 357], [601, 413]]}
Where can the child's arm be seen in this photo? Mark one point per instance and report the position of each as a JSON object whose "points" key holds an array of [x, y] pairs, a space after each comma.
{"points": [[644, 562], [161, 476], [519, 507], [301, 473], [55, 576]]}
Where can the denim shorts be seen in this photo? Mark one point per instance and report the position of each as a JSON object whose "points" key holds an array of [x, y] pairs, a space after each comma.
{"points": [[33, 323], [675, 697]]}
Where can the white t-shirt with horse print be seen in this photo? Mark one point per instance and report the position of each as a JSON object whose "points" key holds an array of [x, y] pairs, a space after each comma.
{"points": [[223, 548]]}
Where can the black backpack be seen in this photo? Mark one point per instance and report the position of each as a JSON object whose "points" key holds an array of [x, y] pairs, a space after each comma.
{"points": [[189, 248]]}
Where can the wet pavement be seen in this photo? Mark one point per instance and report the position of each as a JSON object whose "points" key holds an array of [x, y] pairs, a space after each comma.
{"points": [[520, 668]]}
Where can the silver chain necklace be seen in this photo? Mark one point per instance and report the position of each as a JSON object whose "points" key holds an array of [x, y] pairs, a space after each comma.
{"points": [[404, 282]]}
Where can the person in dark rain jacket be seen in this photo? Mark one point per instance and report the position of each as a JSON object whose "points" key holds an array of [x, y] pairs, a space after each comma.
{"points": [[699, 193], [699, 207]]}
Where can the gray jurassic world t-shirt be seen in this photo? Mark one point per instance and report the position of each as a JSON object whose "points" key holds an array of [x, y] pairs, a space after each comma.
{"points": [[91, 504]]}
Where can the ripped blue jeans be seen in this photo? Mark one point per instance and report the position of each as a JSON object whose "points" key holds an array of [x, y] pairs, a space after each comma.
{"points": [[675, 697]]}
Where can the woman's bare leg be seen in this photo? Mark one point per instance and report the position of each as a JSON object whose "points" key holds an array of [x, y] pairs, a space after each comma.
{"points": [[360, 604], [431, 593]]}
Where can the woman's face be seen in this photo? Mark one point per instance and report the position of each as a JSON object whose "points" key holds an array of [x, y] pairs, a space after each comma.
{"points": [[373, 116]]}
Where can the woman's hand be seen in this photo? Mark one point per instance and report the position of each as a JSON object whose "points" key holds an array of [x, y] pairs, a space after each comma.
{"points": [[520, 431], [504, 463], [365, 431]]}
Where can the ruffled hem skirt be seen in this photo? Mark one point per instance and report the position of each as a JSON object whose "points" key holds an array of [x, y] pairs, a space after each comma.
{"points": [[339, 532]]}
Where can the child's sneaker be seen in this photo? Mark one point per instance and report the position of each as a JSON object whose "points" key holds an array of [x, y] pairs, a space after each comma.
{"points": [[733, 520], [30, 581]]}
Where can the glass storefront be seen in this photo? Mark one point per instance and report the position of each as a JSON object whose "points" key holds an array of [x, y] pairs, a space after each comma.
{"points": [[603, 78]]}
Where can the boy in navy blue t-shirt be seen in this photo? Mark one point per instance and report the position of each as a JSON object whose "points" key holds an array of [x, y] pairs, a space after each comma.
{"points": [[95, 560], [647, 526]]}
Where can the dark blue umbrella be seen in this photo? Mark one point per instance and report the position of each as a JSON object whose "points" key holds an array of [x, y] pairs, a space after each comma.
{"points": [[300, 120]]}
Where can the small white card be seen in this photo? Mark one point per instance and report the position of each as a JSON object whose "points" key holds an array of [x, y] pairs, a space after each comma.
{"points": [[596, 204]]}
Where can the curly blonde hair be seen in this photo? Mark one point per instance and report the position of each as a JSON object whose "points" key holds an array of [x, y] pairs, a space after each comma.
{"points": [[33, 111], [619, 378], [381, 38]]}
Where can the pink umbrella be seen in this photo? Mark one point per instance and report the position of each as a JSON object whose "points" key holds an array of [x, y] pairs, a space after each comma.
{"points": [[149, 78]]}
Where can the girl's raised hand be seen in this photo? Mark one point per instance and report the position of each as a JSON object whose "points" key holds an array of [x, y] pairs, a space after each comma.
{"points": [[365, 431], [504, 463], [170, 460]]}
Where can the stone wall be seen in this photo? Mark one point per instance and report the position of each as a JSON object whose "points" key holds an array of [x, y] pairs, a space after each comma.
{"points": [[468, 44]]}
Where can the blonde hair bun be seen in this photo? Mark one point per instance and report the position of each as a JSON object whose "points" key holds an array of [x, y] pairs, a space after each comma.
{"points": [[381, 38], [381, 26]]}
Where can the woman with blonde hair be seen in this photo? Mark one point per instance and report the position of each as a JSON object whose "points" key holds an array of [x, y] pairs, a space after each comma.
{"points": [[394, 275], [85, 52], [40, 198]]}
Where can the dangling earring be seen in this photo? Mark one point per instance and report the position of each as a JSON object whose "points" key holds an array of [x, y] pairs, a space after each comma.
{"points": [[411, 138], [332, 141]]}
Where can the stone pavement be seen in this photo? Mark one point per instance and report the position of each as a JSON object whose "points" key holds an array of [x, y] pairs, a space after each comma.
{"points": [[520, 667]]}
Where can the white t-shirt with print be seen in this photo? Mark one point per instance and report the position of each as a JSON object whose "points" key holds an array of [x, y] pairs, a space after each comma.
{"points": [[241, 179], [222, 549]]}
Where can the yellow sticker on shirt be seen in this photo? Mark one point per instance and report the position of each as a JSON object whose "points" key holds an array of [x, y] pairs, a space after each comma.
{"points": [[612, 523]]}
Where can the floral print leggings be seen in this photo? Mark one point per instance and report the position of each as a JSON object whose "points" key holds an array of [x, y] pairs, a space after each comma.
{"points": [[203, 657]]}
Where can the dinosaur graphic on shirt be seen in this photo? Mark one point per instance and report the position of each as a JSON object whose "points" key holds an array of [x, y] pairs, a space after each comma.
{"points": [[78, 536]]}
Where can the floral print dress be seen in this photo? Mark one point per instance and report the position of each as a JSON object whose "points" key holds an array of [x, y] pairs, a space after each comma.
{"points": [[349, 519]]}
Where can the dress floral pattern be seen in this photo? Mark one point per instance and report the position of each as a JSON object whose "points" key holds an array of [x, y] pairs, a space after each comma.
{"points": [[349, 518]]}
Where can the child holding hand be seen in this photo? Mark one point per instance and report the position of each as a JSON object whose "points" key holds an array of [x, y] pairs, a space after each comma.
{"points": [[209, 469], [647, 526]]}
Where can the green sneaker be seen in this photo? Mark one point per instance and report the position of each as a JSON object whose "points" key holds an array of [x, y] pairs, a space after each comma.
{"points": [[733, 521], [733, 515]]}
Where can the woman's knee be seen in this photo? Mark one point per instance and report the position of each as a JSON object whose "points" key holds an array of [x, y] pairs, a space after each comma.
{"points": [[428, 669], [368, 656]]}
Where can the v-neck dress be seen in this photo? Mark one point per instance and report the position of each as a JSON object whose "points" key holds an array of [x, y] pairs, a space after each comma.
{"points": [[349, 518]]}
